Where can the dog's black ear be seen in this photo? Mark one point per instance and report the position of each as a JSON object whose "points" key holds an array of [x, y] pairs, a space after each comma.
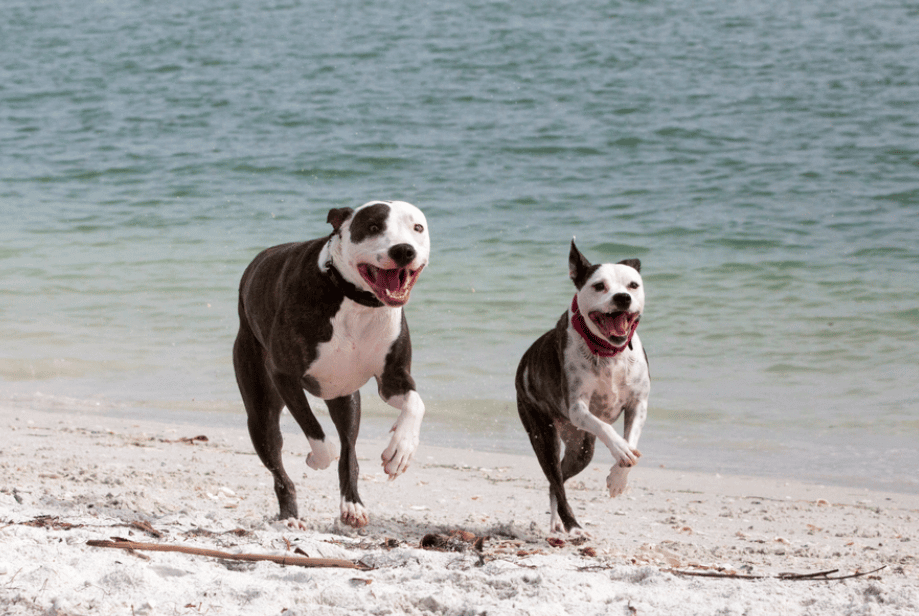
{"points": [[578, 266], [338, 216], [633, 263]]}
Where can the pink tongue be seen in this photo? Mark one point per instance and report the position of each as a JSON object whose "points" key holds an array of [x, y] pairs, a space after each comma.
{"points": [[391, 280], [617, 325]]}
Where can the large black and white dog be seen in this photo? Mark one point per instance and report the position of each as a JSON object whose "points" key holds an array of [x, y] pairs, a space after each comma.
{"points": [[326, 316], [576, 380]]}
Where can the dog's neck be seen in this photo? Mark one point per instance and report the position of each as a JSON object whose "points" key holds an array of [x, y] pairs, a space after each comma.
{"points": [[347, 288], [596, 345]]}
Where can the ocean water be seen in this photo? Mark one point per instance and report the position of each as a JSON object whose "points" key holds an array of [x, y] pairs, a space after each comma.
{"points": [[761, 159]]}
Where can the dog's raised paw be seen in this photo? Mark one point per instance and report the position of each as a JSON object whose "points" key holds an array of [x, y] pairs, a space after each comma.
{"points": [[617, 480], [394, 466], [322, 454], [397, 456]]}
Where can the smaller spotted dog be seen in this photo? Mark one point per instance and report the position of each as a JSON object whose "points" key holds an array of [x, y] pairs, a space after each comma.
{"points": [[578, 378]]}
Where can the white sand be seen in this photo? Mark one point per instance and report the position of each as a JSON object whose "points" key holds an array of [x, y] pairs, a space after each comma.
{"points": [[67, 478]]}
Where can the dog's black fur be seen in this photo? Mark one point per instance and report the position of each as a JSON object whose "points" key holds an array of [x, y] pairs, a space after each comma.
{"points": [[286, 306]]}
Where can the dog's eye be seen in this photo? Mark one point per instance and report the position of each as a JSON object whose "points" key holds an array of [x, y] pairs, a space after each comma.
{"points": [[599, 287], [633, 285], [373, 229], [419, 228]]}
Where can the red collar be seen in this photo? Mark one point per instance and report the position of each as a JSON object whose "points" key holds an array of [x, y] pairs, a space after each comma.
{"points": [[598, 346]]}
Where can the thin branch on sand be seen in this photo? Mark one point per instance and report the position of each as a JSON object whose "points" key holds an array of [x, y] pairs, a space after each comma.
{"points": [[298, 561], [820, 576]]}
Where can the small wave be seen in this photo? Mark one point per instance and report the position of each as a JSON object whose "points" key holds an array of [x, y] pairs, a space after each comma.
{"points": [[910, 315], [886, 252], [620, 251], [907, 197], [786, 368], [742, 243]]}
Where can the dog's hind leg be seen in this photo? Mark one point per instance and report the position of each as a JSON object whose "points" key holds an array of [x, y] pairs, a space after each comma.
{"points": [[346, 414], [263, 409], [579, 451], [546, 444]]}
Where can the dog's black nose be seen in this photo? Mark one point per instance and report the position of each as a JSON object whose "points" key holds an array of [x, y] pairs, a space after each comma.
{"points": [[622, 300], [402, 254]]}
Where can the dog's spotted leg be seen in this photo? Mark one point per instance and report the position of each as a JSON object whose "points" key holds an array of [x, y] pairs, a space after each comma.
{"points": [[618, 479], [623, 450], [581, 417], [405, 433], [634, 421]]}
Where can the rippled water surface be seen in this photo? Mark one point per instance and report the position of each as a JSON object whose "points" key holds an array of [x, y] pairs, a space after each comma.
{"points": [[761, 159]]}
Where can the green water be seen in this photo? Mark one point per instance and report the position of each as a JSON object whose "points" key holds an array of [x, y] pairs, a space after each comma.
{"points": [[760, 159]]}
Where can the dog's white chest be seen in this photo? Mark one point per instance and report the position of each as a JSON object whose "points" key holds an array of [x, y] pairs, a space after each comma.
{"points": [[605, 385], [361, 339]]}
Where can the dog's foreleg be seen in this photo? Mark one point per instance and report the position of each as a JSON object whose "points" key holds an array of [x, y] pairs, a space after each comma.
{"points": [[634, 421], [624, 454], [405, 433], [346, 413], [618, 479], [580, 415], [322, 454], [323, 450]]}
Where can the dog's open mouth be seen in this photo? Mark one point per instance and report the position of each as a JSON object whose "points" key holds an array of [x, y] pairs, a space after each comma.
{"points": [[391, 286], [615, 324]]}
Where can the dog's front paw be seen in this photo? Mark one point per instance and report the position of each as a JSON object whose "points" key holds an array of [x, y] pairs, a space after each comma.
{"points": [[618, 479], [625, 455], [322, 454], [354, 514], [397, 456]]}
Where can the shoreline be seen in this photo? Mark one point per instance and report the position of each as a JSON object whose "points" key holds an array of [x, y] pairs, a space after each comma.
{"points": [[68, 478], [818, 455]]}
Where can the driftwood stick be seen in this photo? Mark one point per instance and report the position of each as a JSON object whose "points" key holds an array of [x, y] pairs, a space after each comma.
{"points": [[825, 575], [820, 576], [805, 576], [299, 561]]}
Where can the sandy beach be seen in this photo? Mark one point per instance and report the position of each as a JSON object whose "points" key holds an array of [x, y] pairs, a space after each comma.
{"points": [[462, 532]]}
